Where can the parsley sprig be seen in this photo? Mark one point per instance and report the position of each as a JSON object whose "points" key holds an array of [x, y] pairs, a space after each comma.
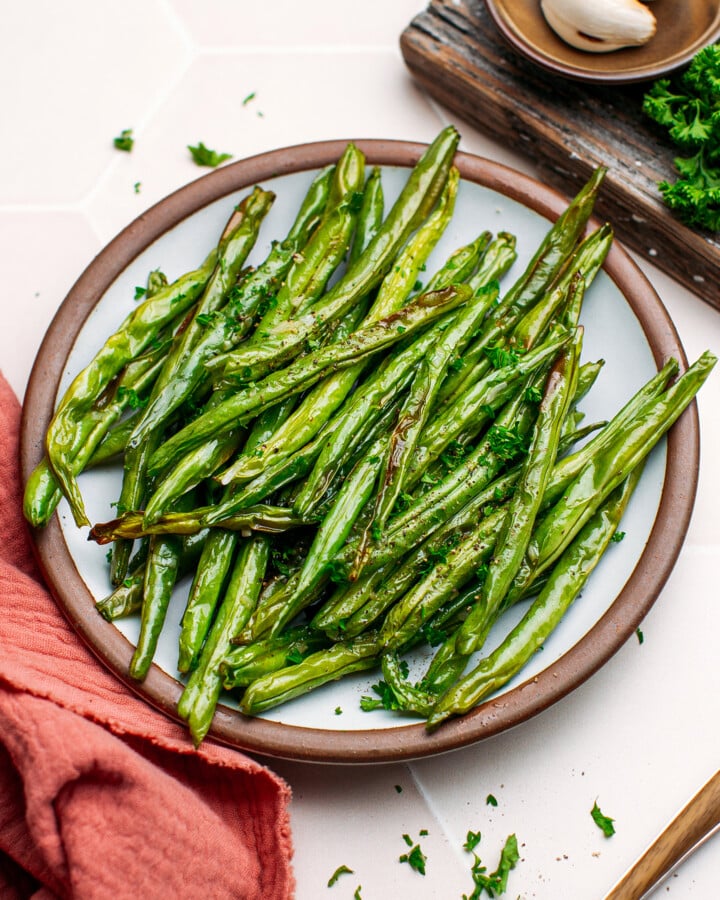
{"points": [[690, 110]]}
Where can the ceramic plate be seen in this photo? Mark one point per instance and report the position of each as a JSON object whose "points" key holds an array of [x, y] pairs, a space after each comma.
{"points": [[683, 28], [625, 324]]}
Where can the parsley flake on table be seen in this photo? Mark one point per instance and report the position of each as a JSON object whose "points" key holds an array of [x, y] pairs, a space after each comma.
{"points": [[603, 822], [203, 156], [640, 636], [490, 800], [416, 859], [250, 96], [341, 870], [124, 141], [494, 883]]}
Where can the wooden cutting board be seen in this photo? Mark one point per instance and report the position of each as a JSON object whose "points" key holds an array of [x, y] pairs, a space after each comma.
{"points": [[455, 51]]}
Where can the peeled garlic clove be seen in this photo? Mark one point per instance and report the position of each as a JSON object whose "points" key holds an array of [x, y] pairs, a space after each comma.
{"points": [[600, 26]]}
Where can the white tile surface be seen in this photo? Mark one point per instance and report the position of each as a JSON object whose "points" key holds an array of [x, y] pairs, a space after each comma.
{"points": [[643, 734]]}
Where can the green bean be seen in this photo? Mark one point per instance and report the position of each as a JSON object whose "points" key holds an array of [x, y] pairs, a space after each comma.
{"points": [[477, 405], [305, 372], [370, 215], [423, 390], [264, 518], [517, 527], [546, 265], [443, 581], [565, 583], [42, 493], [199, 699], [607, 468], [417, 198], [315, 670], [245, 664], [227, 325]]}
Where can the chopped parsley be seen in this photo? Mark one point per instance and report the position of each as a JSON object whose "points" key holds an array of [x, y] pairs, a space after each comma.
{"points": [[130, 397], [640, 635], [493, 883], [139, 292], [341, 870], [603, 822], [205, 319], [387, 699], [203, 156], [506, 443], [471, 841], [501, 357], [533, 395], [137, 186], [357, 895], [398, 788], [617, 537], [338, 710], [294, 657], [491, 800], [416, 859], [250, 96], [124, 141]]}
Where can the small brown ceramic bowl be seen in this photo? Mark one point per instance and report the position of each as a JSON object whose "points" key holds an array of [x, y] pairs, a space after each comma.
{"points": [[683, 28]]}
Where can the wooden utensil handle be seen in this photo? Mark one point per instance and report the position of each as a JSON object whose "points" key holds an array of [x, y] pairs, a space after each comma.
{"points": [[691, 824]]}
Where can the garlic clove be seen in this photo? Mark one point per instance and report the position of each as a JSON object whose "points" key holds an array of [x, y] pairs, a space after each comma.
{"points": [[600, 26]]}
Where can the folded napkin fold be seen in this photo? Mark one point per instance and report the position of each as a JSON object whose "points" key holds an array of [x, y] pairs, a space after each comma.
{"points": [[100, 795]]}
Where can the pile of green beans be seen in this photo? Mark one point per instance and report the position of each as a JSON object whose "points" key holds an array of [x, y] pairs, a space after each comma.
{"points": [[351, 465]]}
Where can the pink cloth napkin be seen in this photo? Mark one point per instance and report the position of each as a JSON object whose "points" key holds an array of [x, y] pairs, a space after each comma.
{"points": [[100, 795]]}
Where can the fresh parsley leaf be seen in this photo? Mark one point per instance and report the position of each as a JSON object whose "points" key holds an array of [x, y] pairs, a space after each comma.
{"points": [[501, 357], [416, 859], [471, 841], [507, 443], [130, 397], [139, 292], [603, 822], [494, 883], [341, 870], [689, 108], [387, 699], [533, 394], [124, 141], [294, 657], [203, 156]]}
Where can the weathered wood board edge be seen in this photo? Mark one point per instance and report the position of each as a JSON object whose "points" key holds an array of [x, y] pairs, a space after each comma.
{"points": [[456, 54]]}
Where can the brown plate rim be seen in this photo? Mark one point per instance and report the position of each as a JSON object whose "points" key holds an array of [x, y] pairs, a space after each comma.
{"points": [[646, 72], [373, 745]]}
